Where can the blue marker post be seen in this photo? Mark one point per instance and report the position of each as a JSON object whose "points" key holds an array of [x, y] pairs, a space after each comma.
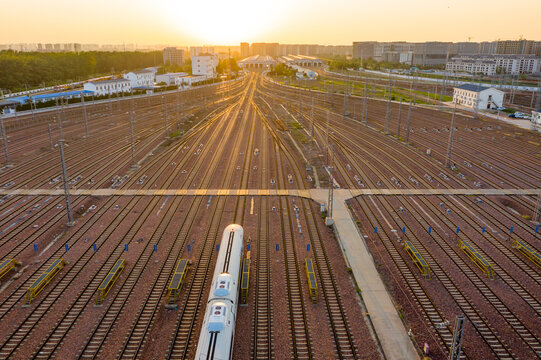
{"points": [[66, 246], [277, 247], [95, 247], [404, 230], [307, 247], [511, 230], [484, 229], [248, 247], [189, 248], [125, 247], [155, 247], [457, 229], [376, 230], [430, 229], [217, 247], [35, 247]]}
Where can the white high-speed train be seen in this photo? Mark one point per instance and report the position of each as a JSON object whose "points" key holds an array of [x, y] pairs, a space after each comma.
{"points": [[218, 331]]}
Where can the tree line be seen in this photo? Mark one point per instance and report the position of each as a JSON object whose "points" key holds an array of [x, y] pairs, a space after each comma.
{"points": [[19, 70]]}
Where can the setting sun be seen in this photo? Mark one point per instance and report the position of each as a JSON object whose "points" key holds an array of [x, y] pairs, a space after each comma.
{"points": [[220, 22]]}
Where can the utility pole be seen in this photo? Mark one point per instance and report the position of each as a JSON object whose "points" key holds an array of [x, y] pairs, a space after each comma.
{"points": [[179, 116], [71, 222], [346, 97], [512, 89], [50, 136], [118, 95], [312, 119], [387, 115], [477, 98], [456, 346], [5, 140], [365, 107], [299, 99], [451, 136], [537, 209], [329, 220], [538, 97], [33, 102], [327, 140], [84, 115], [110, 109], [132, 136], [414, 85], [59, 116], [408, 125], [164, 103], [399, 116]]}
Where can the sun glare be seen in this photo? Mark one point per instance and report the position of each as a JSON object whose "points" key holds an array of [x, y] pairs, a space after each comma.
{"points": [[224, 22]]}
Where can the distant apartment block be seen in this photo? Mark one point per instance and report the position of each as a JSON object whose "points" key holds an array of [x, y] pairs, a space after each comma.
{"points": [[173, 55], [276, 49], [264, 49], [515, 47], [438, 53], [244, 49], [200, 50], [493, 64]]}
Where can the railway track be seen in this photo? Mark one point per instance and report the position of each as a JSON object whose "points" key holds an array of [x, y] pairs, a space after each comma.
{"points": [[526, 335], [69, 319], [188, 315]]}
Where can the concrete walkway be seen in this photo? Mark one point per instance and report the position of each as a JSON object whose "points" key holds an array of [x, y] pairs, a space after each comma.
{"points": [[390, 330], [305, 193]]}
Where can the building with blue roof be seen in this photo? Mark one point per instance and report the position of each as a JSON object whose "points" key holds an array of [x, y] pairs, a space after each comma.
{"points": [[51, 96]]}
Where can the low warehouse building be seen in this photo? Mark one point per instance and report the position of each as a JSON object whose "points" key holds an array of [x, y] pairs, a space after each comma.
{"points": [[472, 95], [169, 78], [108, 87], [258, 62]]}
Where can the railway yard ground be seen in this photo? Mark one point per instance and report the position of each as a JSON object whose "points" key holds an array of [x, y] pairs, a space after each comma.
{"points": [[157, 178]]}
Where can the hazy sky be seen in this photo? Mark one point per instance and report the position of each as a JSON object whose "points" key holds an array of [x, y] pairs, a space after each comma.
{"points": [[196, 22]]}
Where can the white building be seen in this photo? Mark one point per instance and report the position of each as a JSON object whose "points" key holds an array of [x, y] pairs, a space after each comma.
{"points": [[108, 87], [169, 78], [143, 78], [205, 65], [536, 117], [471, 95], [186, 81], [472, 66], [490, 64]]}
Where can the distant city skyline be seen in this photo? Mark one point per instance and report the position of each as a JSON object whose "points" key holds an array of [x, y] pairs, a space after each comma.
{"points": [[214, 22]]}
